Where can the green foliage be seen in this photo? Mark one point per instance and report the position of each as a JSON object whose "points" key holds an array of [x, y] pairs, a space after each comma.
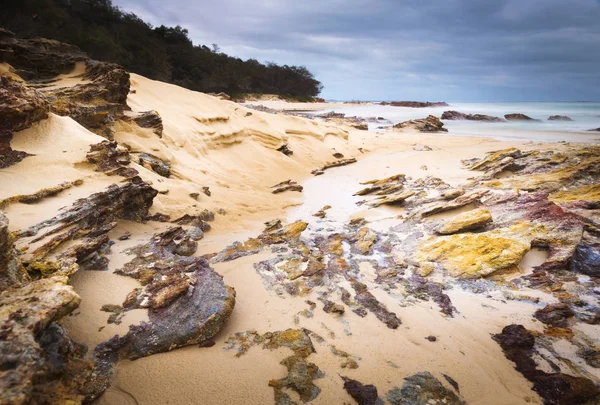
{"points": [[106, 33]]}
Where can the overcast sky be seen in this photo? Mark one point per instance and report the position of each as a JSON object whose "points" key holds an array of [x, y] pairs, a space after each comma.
{"points": [[451, 50]]}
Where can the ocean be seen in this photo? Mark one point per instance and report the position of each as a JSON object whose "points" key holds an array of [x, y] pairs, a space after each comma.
{"points": [[585, 115]]}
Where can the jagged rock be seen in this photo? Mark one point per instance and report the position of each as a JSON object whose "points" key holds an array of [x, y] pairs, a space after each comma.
{"points": [[362, 394], [415, 104], [322, 212], [555, 388], [429, 124], [458, 202], [287, 185], [337, 163], [423, 388], [468, 221], [285, 150], [455, 115], [554, 314], [20, 107], [586, 259], [150, 119], [518, 117], [155, 164], [39, 363], [273, 225], [559, 118], [12, 272], [39, 57], [331, 307], [385, 186], [425, 289], [111, 158]]}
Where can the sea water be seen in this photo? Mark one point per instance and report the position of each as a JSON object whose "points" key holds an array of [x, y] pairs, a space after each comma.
{"points": [[585, 116]]}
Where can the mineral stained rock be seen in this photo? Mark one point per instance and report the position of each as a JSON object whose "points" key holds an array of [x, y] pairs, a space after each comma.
{"points": [[555, 388], [12, 273], [111, 158], [452, 115], [152, 120], [554, 314], [429, 124], [287, 185], [467, 221], [423, 388], [155, 164]]}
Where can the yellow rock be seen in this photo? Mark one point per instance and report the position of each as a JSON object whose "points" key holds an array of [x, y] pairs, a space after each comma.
{"points": [[479, 255], [425, 269], [467, 221], [365, 240], [584, 193]]}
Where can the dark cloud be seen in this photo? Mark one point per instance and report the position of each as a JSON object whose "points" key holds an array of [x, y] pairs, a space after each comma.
{"points": [[457, 50]]}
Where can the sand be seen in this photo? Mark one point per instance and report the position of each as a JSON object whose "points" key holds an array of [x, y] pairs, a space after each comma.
{"points": [[232, 150]]}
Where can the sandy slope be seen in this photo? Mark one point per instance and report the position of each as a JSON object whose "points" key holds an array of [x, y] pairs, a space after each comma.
{"points": [[232, 150]]}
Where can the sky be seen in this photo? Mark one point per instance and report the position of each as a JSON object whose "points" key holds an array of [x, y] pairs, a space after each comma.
{"points": [[427, 50]]}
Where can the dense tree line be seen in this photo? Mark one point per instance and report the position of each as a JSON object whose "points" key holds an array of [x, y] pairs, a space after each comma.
{"points": [[106, 33]]}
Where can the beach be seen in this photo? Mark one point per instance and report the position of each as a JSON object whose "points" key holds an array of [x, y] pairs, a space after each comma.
{"points": [[380, 305]]}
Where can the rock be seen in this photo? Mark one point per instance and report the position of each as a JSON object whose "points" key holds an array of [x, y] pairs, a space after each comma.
{"points": [[206, 191], [287, 185], [368, 300], [221, 95], [429, 124], [150, 119], [12, 273], [594, 130], [155, 164], [186, 246], [337, 163], [361, 126], [468, 221], [331, 307], [474, 255], [554, 388], [362, 394], [285, 150], [111, 158], [322, 212], [338, 155], [425, 269], [559, 118], [423, 388], [586, 259], [415, 104], [554, 314], [125, 236], [518, 117], [272, 225], [39, 363], [363, 240], [455, 115], [459, 202]]}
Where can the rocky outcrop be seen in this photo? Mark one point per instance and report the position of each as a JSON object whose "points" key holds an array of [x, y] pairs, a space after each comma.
{"points": [[39, 363], [594, 130], [452, 115], [555, 388], [111, 158], [468, 221], [12, 273], [158, 166], [20, 107], [362, 394], [336, 163], [559, 118], [152, 120], [518, 117], [415, 104], [429, 124], [287, 185], [554, 314]]}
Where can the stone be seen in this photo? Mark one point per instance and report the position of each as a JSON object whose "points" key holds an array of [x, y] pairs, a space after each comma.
{"points": [[559, 118], [368, 300], [423, 388], [586, 258], [206, 191], [555, 388], [152, 120], [336, 163], [155, 164], [455, 115], [287, 185], [429, 124], [474, 255], [12, 273], [468, 221], [362, 394], [111, 158], [518, 117], [554, 314], [285, 150]]}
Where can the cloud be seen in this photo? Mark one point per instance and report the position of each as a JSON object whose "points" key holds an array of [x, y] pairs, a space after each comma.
{"points": [[457, 50]]}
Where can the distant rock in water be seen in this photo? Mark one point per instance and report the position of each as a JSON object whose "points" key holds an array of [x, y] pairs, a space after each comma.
{"points": [[456, 116], [429, 124], [415, 104], [518, 117], [594, 130], [559, 118]]}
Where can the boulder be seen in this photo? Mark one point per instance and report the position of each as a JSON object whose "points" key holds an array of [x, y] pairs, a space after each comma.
{"points": [[429, 124], [518, 117], [455, 115], [467, 221], [559, 118]]}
